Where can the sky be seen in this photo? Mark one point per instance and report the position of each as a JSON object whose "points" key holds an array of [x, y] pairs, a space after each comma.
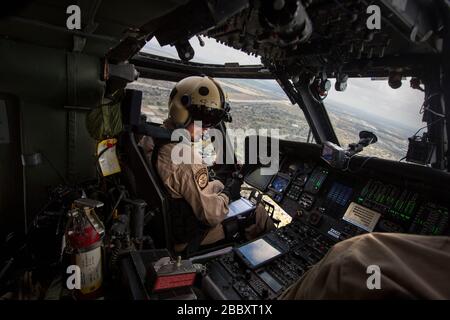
{"points": [[212, 52], [378, 98], [374, 97]]}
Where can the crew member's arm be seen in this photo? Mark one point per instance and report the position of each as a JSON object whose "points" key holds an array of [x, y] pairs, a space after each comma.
{"points": [[408, 267], [209, 203]]}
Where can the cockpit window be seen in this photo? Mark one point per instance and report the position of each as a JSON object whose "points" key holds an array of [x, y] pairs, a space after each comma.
{"points": [[257, 107], [211, 52], [262, 105], [393, 115], [155, 98]]}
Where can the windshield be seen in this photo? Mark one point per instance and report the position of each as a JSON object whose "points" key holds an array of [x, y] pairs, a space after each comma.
{"points": [[155, 97], [257, 107], [211, 53], [393, 115], [262, 105]]}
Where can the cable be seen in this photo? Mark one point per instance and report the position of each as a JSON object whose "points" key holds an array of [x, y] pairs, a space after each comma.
{"points": [[97, 165], [360, 167], [427, 126], [424, 106], [348, 163], [121, 196], [435, 113], [415, 31], [415, 134], [104, 150]]}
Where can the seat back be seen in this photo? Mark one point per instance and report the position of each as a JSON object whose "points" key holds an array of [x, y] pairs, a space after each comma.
{"points": [[140, 175]]}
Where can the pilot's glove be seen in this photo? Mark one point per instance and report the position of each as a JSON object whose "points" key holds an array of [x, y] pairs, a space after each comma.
{"points": [[215, 175], [233, 188]]}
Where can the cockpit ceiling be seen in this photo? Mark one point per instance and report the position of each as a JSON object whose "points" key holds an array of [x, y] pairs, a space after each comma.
{"points": [[339, 39], [300, 37], [104, 24]]}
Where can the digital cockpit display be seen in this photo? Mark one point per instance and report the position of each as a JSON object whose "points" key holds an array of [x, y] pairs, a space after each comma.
{"points": [[279, 184], [257, 252]]}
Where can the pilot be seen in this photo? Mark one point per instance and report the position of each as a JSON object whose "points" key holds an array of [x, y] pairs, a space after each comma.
{"points": [[194, 100], [379, 266]]}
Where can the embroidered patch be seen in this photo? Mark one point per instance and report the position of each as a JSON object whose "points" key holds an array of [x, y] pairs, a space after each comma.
{"points": [[201, 176]]}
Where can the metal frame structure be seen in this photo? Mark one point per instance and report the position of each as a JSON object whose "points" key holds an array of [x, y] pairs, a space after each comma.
{"points": [[162, 68]]}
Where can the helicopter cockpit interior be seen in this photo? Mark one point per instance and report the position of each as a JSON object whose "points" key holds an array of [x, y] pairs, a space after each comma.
{"points": [[83, 85]]}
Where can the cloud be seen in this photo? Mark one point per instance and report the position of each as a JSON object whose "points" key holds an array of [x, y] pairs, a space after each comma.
{"points": [[376, 97]]}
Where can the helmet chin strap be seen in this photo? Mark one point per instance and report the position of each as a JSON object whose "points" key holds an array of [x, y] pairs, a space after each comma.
{"points": [[177, 125], [187, 122]]}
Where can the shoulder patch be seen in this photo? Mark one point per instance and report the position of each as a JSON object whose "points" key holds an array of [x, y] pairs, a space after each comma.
{"points": [[201, 177]]}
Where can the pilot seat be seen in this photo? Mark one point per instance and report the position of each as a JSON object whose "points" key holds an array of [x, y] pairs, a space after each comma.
{"points": [[138, 161]]}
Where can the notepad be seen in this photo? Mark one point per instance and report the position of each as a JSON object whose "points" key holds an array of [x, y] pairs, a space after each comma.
{"points": [[241, 206]]}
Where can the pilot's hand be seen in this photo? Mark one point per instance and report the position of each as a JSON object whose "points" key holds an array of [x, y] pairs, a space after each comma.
{"points": [[233, 188]]}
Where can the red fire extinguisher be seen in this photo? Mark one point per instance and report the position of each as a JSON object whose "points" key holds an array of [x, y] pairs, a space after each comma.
{"points": [[84, 245]]}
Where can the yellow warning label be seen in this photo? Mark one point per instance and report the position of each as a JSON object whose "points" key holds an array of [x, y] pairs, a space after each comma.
{"points": [[107, 157]]}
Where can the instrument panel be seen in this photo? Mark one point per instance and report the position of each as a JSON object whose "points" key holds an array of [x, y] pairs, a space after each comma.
{"points": [[343, 204], [327, 206]]}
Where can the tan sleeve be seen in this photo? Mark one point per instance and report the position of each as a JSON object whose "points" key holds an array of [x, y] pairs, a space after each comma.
{"points": [[411, 267], [205, 197]]}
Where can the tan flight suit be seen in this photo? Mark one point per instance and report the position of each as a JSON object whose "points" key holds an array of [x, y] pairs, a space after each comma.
{"points": [[209, 204], [411, 267]]}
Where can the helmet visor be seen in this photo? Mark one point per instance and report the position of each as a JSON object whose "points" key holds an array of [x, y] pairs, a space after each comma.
{"points": [[210, 117]]}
